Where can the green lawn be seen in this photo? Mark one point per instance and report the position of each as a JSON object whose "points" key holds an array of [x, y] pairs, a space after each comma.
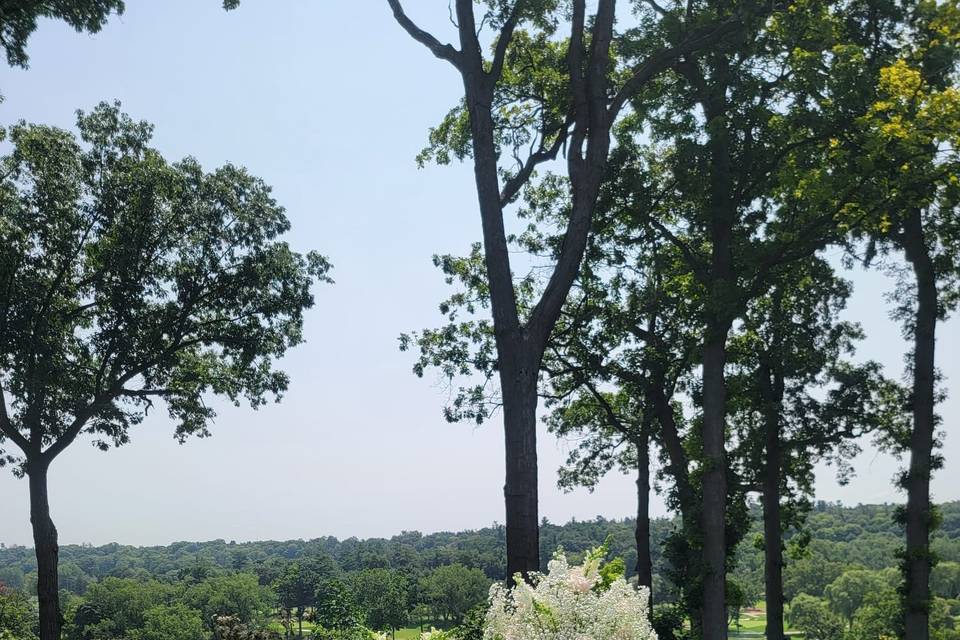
{"points": [[754, 622]]}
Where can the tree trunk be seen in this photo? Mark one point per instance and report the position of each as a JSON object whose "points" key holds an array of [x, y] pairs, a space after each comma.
{"points": [[518, 382], [714, 488], [721, 284], [642, 533], [679, 469], [773, 548], [47, 550], [917, 560]]}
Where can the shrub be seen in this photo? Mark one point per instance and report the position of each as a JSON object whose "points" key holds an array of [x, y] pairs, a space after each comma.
{"points": [[570, 602]]}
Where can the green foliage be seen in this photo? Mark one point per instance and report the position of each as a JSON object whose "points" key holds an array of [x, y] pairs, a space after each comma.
{"points": [[848, 593], [879, 616], [173, 622], [453, 590], [131, 279], [239, 596], [471, 628], [668, 621], [300, 582], [383, 594], [18, 617], [812, 616], [230, 628], [115, 607], [18, 19], [337, 610], [945, 580]]}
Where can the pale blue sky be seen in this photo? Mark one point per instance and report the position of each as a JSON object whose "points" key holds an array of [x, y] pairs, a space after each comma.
{"points": [[329, 101]]}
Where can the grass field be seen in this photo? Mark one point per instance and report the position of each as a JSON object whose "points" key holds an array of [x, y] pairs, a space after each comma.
{"points": [[753, 623]]}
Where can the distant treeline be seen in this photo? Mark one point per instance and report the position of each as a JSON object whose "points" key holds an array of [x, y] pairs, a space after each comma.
{"points": [[835, 537]]}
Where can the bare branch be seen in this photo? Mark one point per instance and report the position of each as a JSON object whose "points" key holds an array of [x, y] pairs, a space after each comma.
{"points": [[656, 7], [586, 173], [543, 154], [506, 35], [696, 263], [443, 51], [7, 428]]}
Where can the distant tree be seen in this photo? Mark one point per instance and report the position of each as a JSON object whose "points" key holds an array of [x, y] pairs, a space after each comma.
{"points": [[116, 607], [17, 615], [72, 578], [383, 597], [452, 590], [809, 575], [171, 622], [337, 609], [736, 600], [847, 593], [945, 580], [11, 577], [298, 585], [878, 617], [237, 595], [128, 280], [812, 616], [230, 628]]}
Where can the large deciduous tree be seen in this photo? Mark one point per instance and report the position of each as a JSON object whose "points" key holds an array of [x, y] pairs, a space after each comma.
{"points": [[127, 280], [739, 124], [539, 93], [907, 146], [795, 400]]}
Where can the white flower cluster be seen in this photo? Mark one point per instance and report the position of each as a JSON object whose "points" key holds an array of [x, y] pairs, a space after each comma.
{"points": [[569, 603]]}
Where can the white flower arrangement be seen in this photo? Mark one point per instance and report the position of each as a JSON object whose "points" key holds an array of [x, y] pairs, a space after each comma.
{"points": [[570, 603]]}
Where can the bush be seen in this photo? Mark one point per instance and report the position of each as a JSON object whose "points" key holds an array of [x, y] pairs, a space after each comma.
{"points": [[668, 622], [570, 602]]}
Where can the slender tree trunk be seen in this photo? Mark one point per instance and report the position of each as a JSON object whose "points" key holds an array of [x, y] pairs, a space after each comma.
{"points": [[519, 388], [773, 549], [47, 550], [642, 533], [679, 465], [917, 561], [714, 488], [722, 289]]}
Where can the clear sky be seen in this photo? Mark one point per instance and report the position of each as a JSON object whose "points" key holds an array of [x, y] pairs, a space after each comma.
{"points": [[328, 101]]}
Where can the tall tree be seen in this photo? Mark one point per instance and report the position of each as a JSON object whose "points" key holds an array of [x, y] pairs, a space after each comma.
{"points": [[796, 401], [909, 145], [740, 120], [615, 362], [125, 279], [567, 100]]}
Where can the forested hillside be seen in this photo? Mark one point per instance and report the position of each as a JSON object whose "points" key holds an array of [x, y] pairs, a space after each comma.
{"points": [[839, 537], [840, 570]]}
